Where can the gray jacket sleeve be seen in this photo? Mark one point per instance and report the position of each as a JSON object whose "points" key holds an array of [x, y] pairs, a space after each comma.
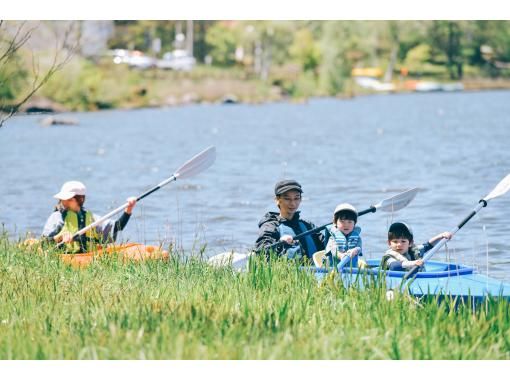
{"points": [[110, 228], [107, 230], [53, 225]]}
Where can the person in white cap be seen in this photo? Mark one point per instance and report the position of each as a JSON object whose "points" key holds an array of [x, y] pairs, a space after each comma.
{"points": [[345, 236], [70, 216]]}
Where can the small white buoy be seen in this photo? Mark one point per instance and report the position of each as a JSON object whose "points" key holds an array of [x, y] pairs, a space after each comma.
{"points": [[390, 295]]}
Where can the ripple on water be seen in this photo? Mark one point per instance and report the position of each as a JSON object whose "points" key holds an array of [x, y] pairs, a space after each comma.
{"points": [[189, 187], [337, 150]]}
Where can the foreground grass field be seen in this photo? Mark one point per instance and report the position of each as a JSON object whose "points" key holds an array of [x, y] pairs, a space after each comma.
{"points": [[184, 309]]}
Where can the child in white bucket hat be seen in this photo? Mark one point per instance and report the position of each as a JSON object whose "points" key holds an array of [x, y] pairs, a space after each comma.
{"points": [[70, 189], [70, 216], [344, 235]]}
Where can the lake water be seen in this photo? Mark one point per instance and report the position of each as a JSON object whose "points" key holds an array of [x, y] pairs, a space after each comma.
{"points": [[453, 146]]}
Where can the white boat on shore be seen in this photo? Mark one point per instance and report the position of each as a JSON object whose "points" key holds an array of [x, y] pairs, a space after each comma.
{"points": [[431, 86]]}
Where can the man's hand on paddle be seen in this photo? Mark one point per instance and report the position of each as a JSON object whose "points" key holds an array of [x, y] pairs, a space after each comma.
{"points": [[287, 239]]}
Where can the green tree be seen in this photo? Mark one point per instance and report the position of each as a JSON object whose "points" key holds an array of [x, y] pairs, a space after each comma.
{"points": [[417, 57], [12, 78], [446, 43], [305, 50], [223, 40], [264, 44], [345, 44], [201, 47], [495, 35], [411, 34], [132, 34]]}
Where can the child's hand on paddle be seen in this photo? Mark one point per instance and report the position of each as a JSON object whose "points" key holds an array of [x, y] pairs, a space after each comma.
{"points": [[340, 255], [419, 262], [66, 237], [131, 204], [352, 252]]}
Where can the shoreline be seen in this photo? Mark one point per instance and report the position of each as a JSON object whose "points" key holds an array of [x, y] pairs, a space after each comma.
{"points": [[44, 105]]}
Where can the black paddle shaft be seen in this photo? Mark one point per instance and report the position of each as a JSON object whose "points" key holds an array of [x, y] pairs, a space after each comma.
{"points": [[414, 270], [149, 192], [473, 213], [320, 228]]}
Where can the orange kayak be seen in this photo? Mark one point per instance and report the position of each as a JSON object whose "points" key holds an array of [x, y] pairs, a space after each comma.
{"points": [[127, 252]]}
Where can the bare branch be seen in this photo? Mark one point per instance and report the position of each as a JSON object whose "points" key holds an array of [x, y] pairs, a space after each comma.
{"points": [[17, 42], [57, 64]]}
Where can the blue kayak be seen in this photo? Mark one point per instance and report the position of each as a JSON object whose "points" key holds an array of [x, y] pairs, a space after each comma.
{"points": [[439, 279]]}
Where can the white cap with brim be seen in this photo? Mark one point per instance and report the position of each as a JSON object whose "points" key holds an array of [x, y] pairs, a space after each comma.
{"points": [[344, 207], [70, 189]]}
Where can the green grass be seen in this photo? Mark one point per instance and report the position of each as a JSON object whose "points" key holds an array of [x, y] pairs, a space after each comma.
{"points": [[184, 309]]}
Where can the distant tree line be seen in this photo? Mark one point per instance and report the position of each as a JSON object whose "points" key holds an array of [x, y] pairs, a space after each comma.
{"points": [[328, 50], [299, 58]]}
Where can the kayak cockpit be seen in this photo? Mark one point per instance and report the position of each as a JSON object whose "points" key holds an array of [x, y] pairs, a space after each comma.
{"points": [[433, 269]]}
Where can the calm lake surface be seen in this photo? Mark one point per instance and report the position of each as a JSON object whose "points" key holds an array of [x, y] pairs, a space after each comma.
{"points": [[453, 146]]}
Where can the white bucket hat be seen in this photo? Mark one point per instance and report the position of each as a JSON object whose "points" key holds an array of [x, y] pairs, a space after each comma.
{"points": [[346, 207], [70, 189]]}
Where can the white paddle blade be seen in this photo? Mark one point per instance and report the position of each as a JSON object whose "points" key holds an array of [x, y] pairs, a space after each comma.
{"points": [[232, 259], [197, 164], [318, 258], [398, 201], [500, 189], [222, 259]]}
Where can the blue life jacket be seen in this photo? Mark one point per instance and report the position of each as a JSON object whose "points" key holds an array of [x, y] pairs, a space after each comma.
{"points": [[344, 243], [295, 252]]}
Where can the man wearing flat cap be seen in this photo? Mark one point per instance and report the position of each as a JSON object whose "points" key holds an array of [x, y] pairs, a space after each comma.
{"points": [[281, 227]]}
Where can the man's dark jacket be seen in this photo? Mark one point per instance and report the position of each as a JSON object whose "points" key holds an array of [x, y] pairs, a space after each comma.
{"points": [[270, 234]]}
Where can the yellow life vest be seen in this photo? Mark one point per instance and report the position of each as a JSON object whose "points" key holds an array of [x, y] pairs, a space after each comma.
{"points": [[72, 225]]}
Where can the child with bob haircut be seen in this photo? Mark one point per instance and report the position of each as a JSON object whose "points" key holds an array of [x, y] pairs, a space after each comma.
{"points": [[403, 254]]}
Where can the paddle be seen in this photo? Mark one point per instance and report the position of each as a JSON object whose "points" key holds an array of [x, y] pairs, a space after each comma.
{"points": [[343, 263], [394, 203], [193, 166], [502, 187]]}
